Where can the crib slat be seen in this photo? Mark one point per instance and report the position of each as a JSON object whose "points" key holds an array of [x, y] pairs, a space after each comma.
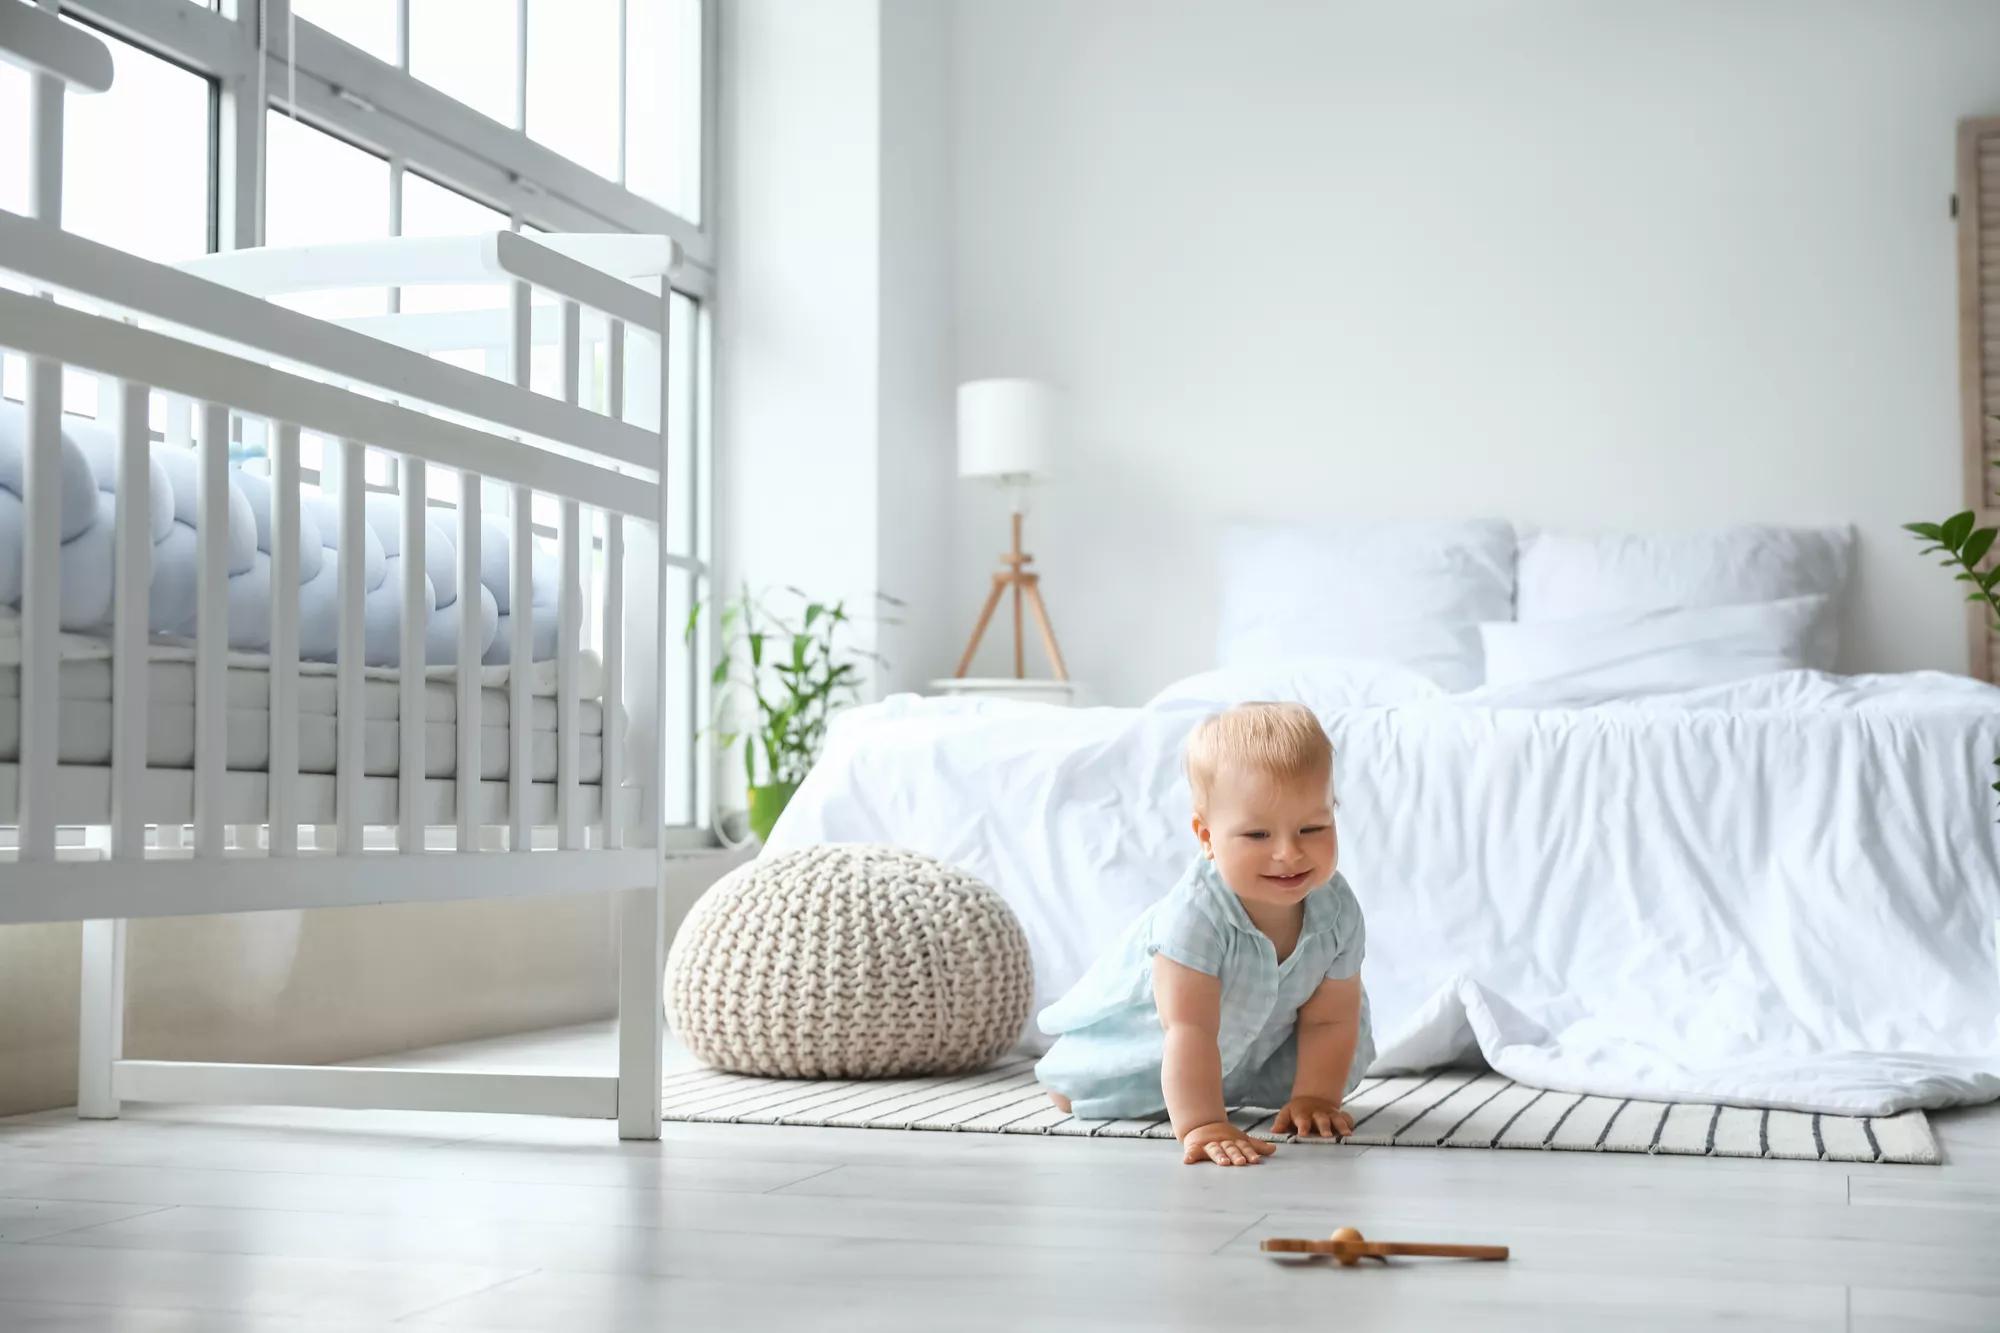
{"points": [[41, 607], [415, 653], [614, 615], [470, 648], [284, 765], [569, 613], [572, 352], [614, 366], [663, 653], [41, 589], [211, 637], [130, 604], [351, 725], [520, 672], [614, 678]]}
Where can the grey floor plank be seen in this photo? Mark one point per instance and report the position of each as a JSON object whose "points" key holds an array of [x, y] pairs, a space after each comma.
{"points": [[755, 1223], [442, 1196], [72, 1317], [31, 1219], [246, 1284], [1095, 1295], [1883, 1310]]}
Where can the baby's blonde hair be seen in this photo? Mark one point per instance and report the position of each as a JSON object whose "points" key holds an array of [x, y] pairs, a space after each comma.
{"points": [[1276, 740]]}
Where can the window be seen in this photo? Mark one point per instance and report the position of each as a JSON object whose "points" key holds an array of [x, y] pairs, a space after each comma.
{"points": [[135, 159], [14, 138], [572, 105], [469, 49], [429, 209], [663, 103], [318, 189], [368, 24]]}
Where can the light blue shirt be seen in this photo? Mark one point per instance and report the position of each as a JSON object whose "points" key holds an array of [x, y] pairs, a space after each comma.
{"points": [[1109, 1043]]}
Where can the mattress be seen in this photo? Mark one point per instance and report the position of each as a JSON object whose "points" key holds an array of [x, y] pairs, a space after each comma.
{"points": [[84, 728]]}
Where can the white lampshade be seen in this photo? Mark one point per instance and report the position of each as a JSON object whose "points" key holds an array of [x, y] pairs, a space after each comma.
{"points": [[1006, 428]]}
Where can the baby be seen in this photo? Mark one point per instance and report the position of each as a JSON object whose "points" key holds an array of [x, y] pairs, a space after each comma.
{"points": [[1242, 987]]}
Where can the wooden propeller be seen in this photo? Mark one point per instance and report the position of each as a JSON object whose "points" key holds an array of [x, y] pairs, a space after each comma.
{"points": [[1348, 1246]]}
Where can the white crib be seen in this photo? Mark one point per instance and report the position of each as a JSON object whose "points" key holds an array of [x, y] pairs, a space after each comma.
{"points": [[100, 843]]}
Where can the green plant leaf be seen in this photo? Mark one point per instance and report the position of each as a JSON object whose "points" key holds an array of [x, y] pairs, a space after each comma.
{"points": [[1930, 530], [694, 618], [1956, 529], [721, 672], [813, 612], [756, 649], [1977, 545]]}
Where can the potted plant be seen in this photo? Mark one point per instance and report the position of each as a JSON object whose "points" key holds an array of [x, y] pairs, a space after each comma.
{"points": [[783, 673], [1964, 544]]}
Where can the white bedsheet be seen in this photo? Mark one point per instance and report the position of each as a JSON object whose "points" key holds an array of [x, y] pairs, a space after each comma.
{"points": [[1783, 892]]}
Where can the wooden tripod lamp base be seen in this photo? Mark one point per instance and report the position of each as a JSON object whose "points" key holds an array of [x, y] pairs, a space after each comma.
{"points": [[1027, 587]]}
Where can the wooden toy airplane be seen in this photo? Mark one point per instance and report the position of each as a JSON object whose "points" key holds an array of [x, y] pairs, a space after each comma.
{"points": [[1348, 1246]]}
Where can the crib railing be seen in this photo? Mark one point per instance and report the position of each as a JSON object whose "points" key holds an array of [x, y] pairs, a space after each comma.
{"points": [[233, 354], [581, 456]]}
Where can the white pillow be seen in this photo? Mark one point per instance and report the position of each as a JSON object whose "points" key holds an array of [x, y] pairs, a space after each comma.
{"points": [[1412, 593], [1565, 575], [1591, 658], [1321, 684]]}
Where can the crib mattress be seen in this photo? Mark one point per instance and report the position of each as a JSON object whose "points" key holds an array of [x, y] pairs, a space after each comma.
{"points": [[84, 726]]}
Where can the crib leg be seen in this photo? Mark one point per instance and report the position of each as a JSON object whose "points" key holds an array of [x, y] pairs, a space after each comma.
{"points": [[642, 1020], [100, 1019]]}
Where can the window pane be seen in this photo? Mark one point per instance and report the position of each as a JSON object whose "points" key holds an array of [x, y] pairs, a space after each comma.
{"points": [[135, 159], [663, 103], [466, 48], [429, 209], [319, 190], [368, 24], [573, 80], [13, 138]]}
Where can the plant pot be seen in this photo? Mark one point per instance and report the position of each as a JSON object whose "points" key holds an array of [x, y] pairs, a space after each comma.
{"points": [[766, 804]]}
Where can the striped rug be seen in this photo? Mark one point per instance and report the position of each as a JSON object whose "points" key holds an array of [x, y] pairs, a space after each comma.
{"points": [[1451, 1108]]}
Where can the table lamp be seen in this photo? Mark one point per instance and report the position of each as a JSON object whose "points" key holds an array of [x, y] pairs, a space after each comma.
{"points": [[1007, 433]]}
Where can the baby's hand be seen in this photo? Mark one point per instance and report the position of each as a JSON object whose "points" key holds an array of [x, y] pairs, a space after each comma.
{"points": [[1309, 1116], [1225, 1145]]}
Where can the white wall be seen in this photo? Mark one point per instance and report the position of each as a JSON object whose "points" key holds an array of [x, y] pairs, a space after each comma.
{"points": [[1653, 263], [916, 449], [798, 215], [833, 342]]}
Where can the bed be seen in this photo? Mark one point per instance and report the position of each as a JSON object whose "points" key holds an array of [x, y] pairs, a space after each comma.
{"points": [[227, 686], [1614, 834]]}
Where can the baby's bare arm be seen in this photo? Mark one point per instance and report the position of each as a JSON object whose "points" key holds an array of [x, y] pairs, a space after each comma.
{"points": [[1190, 1005], [1329, 1023]]}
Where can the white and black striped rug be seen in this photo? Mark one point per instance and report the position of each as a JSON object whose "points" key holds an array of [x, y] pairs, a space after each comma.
{"points": [[1452, 1108]]}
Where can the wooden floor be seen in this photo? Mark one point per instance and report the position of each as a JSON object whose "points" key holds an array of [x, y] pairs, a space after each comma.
{"points": [[219, 1219]]}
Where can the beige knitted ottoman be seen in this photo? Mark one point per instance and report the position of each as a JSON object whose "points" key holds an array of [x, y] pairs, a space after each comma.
{"points": [[849, 962]]}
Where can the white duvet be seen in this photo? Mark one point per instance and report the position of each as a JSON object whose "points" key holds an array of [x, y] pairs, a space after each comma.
{"points": [[1783, 892]]}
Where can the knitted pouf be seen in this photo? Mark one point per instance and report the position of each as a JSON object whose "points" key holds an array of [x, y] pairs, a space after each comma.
{"points": [[849, 962]]}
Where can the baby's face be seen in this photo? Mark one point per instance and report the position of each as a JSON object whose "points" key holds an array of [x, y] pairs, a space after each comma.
{"points": [[1272, 841]]}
